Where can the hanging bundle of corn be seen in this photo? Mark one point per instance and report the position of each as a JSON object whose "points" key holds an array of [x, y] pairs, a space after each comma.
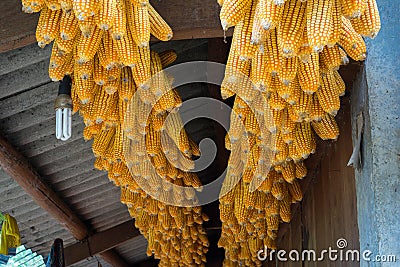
{"points": [[104, 46], [291, 51]]}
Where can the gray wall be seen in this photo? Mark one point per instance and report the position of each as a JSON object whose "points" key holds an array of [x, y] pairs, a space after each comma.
{"points": [[376, 95]]}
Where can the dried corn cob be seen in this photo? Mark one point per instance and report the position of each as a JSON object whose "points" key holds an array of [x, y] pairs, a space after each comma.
{"points": [[158, 27], [319, 23], [233, 12]]}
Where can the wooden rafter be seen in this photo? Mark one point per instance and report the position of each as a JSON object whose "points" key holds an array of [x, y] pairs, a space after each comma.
{"points": [[18, 168], [188, 20]]}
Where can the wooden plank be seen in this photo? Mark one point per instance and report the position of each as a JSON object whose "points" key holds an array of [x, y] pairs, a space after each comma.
{"points": [[28, 118], [100, 242], [26, 100], [188, 19], [75, 147], [27, 78], [49, 142], [76, 180], [22, 57], [66, 162], [38, 131]]}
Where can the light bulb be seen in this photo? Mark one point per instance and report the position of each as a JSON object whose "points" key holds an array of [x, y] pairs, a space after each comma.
{"points": [[63, 108]]}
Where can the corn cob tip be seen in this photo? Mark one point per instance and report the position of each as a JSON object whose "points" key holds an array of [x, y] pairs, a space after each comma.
{"points": [[265, 24], [318, 48], [143, 44], [41, 44], [224, 25], [279, 2]]}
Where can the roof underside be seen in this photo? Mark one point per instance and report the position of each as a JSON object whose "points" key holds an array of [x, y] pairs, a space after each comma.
{"points": [[27, 121]]}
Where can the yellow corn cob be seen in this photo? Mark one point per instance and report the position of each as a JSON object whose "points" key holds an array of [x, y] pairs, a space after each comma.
{"points": [[112, 87], [53, 4], [276, 102], [340, 85], [242, 35], [87, 26], [301, 170], [273, 119], [289, 172], [88, 46], [259, 75], [336, 23], [295, 191], [108, 55], [48, 26], [369, 23], [66, 5], [126, 49], [277, 190], [60, 66], [330, 58], [293, 92], [283, 154], [284, 209], [32, 6], [141, 71], [317, 112], [153, 141], [142, 25], [327, 128], [105, 104], [118, 155], [102, 141], [104, 18], [353, 8], [304, 142], [304, 53], [270, 14], [66, 46], [328, 96], [309, 74], [258, 33], [351, 41], [287, 124], [113, 74], [84, 88], [167, 57], [271, 53], [84, 9], [233, 11], [140, 2], [302, 108], [120, 19], [99, 73], [251, 124], [127, 88], [290, 30], [319, 23], [158, 27], [68, 26], [288, 71]]}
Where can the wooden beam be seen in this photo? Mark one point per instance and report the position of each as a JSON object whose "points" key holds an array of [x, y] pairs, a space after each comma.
{"points": [[18, 168], [100, 242], [188, 20]]}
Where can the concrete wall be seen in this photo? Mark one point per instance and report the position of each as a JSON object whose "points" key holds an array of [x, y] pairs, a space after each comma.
{"points": [[376, 95]]}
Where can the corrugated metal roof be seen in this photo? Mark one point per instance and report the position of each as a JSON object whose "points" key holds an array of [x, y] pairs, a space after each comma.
{"points": [[27, 121]]}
